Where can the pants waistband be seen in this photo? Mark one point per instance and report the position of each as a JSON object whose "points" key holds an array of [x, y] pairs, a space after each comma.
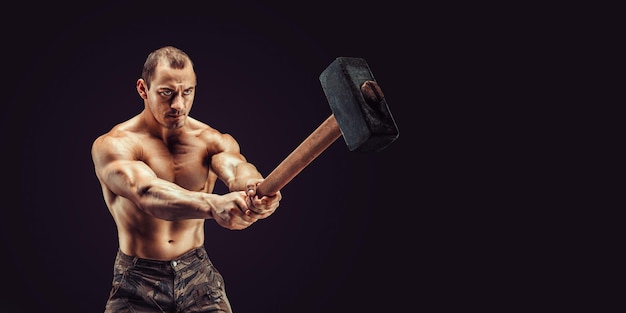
{"points": [[187, 258]]}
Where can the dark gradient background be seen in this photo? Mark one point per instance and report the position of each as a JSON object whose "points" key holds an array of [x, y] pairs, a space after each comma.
{"points": [[377, 232]]}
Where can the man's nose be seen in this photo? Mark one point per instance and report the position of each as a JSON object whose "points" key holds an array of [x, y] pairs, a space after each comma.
{"points": [[178, 103]]}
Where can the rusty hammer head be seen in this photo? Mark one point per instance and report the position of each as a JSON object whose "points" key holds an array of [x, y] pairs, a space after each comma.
{"points": [[358, 105]]}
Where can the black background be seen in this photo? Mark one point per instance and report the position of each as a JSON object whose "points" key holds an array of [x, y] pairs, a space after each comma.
{"points": [[417, 227]]}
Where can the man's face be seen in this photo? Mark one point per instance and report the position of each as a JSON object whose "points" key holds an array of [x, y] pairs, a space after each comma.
{"points": [[171, 94]]}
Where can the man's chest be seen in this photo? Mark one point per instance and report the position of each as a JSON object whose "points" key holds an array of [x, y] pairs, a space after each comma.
{"points": [[187, 166]]}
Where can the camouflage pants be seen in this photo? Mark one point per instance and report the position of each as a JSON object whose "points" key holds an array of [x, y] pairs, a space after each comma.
{"points": [[188, 284]]}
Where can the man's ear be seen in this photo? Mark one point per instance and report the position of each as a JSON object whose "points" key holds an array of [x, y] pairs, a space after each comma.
{"points": [[142, 89]]}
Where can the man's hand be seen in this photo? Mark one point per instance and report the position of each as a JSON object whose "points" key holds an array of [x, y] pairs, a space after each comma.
{"points": [[229, 210], [263, 207]]}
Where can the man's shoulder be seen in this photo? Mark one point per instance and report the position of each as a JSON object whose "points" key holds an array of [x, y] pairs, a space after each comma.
{"points": [[123, 133], [216, 140], [123, 129], [202, 129]]}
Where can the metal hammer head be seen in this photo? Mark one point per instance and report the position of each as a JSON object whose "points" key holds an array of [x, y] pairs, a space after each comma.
{"points": [[358, 105]]}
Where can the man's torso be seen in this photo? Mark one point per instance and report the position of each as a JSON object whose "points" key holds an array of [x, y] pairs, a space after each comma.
{"points": [[183, 160]]}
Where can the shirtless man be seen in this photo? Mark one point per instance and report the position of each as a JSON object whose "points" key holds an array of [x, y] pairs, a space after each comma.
{"points": [[157, 172]]}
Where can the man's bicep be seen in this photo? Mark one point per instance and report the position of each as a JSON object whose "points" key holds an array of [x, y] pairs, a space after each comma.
{"points": [[126, 178], [224, 154], [225, 164], [117, 168]]}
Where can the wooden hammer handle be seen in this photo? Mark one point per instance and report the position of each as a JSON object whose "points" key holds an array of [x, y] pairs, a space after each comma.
{"points": [[297, 160]]}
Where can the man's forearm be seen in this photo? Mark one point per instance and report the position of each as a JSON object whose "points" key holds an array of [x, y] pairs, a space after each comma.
{"points": [[170, 202], [243, 174]]}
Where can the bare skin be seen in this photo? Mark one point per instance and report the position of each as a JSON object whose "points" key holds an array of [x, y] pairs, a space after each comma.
{"points": [[159, 168]]}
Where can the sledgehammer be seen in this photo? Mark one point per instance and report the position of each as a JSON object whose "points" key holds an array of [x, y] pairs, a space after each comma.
{"points": [[359, 113]]}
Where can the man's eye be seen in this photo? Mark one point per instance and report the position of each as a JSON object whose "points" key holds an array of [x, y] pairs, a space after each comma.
{"points": [[166, 92], [188, 91]]}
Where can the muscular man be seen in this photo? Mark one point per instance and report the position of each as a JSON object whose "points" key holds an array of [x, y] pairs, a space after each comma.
{"points": [[157, 171]]}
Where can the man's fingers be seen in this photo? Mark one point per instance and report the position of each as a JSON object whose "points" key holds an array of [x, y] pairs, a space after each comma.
{"points": [[251, 190]]}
